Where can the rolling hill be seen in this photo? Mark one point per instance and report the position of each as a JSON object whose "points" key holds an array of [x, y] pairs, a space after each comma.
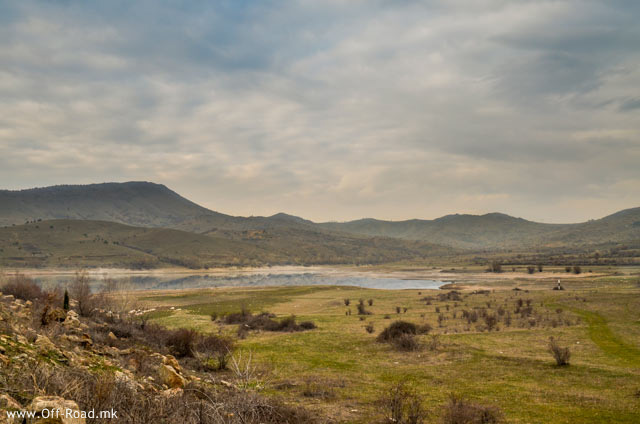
{"points": [[143, 204], [499, 231], [75, 243]]}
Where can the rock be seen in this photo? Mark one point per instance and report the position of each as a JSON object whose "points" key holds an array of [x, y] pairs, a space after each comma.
{"points": [[44, 344], [72, 321], [28, 303], [172, 361], [43, 406], [86, 340], [55, 314], [8, 297], [172, 392], [170, 377], [112, 336]]}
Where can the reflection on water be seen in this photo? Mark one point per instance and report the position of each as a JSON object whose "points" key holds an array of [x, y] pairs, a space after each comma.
{"points": [[172, 281]]}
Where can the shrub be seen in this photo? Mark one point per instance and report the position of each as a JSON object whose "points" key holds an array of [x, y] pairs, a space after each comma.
{"points": [[361, 309], [531, 269], [396, 330], [22, 287], [495, 267], [81, 291], [369, 327], [181, 342], [577, 269], [406, 343], [347, 302], [460, 411], [65, 302], [491, 321], [307, 325], [370, 302], [540, 267], [567, 269], [402, 405], [560, 354], [211, 346], [398, 309], [238, 317]]}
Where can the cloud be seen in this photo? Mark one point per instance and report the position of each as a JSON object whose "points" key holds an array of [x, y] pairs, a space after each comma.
{"points": [[330, 110]]}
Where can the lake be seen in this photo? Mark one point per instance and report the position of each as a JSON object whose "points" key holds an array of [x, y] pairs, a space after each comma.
{"points": [[174, 281]]}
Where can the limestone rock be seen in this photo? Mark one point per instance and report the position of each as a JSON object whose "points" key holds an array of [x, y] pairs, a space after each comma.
{"points": [[170, 377], [172, 361], [42, 403]]}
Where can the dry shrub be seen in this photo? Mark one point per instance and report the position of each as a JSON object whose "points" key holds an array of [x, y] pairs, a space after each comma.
{"points": [[396, 330], [460, 411], [560, 354], [402, 406], [22, 287], [406, 343], [197, 404]]}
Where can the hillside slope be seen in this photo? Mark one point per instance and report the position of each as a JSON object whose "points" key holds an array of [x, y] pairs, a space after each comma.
{"points": [[497, 230], [73, 243]]}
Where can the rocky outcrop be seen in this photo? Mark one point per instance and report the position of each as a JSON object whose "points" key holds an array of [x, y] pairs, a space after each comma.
{"points": [[170, 377], [45, 408]]}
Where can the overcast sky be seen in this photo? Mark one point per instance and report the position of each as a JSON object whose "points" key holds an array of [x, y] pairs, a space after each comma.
{"points": [[331, 110]]}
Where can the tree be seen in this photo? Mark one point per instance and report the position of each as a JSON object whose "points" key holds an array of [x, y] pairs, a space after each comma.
{"points": [[65, 303]]}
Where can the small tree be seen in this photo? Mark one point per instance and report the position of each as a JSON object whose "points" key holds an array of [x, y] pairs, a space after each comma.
{"points": [[81, 291], [560, 354], [65, 302]]}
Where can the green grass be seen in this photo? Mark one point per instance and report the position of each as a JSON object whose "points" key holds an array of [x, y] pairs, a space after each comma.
{"points": [[510, 368]]}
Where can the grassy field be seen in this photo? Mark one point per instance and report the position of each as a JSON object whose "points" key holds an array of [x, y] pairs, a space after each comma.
{"points": [[341, 371]]}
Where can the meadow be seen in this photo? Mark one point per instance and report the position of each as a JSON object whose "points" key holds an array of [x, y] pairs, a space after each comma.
{"points": [[486, 341]]}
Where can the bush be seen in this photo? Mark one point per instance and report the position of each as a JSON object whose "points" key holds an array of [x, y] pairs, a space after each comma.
{"points": [[81, 292], [567, 269], [361, 309], [531, 269], [406, 343], [181, 342], [560, 354], [460, 411], [370, 301], [396, 330], [402, 405], [495, 267], [370, 328], [577, 269], [347, 302], [22, 287]]}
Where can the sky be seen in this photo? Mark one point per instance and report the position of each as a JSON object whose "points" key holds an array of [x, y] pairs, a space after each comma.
{"points": [[330, 110]]}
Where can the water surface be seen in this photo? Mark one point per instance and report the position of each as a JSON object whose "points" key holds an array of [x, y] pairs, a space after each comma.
{"points": [[171, 281]]}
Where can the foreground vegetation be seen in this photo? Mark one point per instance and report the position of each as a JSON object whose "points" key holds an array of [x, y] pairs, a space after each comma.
{"points": [[500, 350], [485, 345]]}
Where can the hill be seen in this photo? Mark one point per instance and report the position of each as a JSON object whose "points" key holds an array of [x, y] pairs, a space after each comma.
{"points": [[499, 231], [143, 204], [73, 243]]}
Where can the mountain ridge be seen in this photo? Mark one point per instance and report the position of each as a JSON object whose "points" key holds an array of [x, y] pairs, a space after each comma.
{"points": [[146, 204]]}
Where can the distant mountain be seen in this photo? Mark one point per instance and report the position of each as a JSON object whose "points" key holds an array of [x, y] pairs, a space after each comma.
{"points": [[143, 204], [496, 230], [133, 203]]}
